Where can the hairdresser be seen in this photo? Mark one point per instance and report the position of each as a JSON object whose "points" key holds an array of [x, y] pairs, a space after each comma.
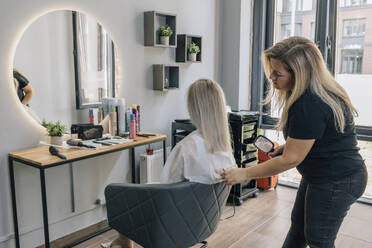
{"points": [[318, 124], [23, 87]]}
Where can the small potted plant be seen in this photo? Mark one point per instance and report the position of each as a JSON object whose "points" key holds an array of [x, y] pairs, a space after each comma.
{"points": [[55, 131], [165, 32], [193, 50]]}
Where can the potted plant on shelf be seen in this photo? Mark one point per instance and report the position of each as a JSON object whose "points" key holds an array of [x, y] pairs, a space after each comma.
{"points": [[165, 32], [55, 131], [193, 50]]}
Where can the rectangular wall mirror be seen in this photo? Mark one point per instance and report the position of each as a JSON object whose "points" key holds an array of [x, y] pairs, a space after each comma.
{"points": [[94, 60]]}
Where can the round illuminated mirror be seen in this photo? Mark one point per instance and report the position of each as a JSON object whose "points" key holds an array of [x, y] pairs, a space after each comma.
{"points": [[64, 65]]}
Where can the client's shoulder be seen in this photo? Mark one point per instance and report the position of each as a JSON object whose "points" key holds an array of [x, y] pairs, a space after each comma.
{"points": [[194, 139]]}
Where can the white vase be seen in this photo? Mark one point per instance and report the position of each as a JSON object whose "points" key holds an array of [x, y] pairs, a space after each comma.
{"points": [[192, 57], [56, 140], [164, 40]]}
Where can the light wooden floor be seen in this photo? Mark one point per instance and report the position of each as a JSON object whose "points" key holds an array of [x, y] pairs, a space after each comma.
{"points": [[264, 221]]}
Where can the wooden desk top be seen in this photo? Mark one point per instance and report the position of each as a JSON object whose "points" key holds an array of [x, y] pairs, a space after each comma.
{"points": [[40, 156]]}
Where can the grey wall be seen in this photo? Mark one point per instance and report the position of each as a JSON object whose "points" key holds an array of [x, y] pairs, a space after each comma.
{"points": [[124, 22]]}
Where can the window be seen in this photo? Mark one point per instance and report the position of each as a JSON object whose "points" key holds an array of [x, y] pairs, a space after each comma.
{"points": [[312, 31], [353, 53], [290, 23], [289, 5], [340, 28], [354, 27], [353, 3], [285, 23], [287, 30], [351, 61]]}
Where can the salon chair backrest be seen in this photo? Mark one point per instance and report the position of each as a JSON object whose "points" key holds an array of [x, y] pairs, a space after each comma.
{"points": [[165, 215]]}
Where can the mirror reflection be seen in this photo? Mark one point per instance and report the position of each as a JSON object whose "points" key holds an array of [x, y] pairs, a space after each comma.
{"points": [[64, 64], [94, 61]]}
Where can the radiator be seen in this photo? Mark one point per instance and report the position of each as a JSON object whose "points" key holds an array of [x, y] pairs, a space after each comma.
{"points": [[151, 166]]}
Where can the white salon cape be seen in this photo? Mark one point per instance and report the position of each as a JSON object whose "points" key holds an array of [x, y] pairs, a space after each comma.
{"points": [[190, 160]]}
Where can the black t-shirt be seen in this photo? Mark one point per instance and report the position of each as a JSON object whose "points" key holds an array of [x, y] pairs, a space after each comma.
{"points": [[334, 154], [22, 82]]}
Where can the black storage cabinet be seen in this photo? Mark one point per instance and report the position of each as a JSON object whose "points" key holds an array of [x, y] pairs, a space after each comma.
{"points": [[180, 129], [244, 125]]}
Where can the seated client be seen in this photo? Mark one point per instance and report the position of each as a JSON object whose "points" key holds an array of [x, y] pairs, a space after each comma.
{"points": [[202, 155]]}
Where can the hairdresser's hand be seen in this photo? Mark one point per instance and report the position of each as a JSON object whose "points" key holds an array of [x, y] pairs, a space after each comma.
{"points": [[277, 151], [235, 176]]}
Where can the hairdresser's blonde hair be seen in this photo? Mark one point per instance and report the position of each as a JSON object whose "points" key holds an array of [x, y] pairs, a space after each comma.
{"points": [[207, 109], [301, 57]]}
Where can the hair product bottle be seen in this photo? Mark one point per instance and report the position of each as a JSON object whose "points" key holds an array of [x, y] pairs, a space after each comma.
{"points": [[132, 132], [113, 123], [134, 111], [100, 115], [138, 119], [121, 114], [91, 116], [127, 120]]}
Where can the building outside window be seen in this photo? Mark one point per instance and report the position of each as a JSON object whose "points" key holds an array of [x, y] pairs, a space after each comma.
{"points": [[354, 27], [351, 61], [286, 30], [353, 3], [288, 5], [312, 31]]}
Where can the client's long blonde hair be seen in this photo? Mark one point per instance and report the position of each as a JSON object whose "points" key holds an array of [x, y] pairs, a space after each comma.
{"points": [[207, 109], [301, 57]]}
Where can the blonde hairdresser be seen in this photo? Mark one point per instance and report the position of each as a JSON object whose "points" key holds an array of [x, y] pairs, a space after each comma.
{"points": [[318, 124]]}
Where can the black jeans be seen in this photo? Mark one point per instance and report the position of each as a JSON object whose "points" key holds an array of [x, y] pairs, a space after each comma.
{"points": [[319, 210]]}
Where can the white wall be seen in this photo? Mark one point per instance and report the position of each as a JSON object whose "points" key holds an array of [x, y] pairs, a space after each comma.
{"points": [[124, 22]]}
